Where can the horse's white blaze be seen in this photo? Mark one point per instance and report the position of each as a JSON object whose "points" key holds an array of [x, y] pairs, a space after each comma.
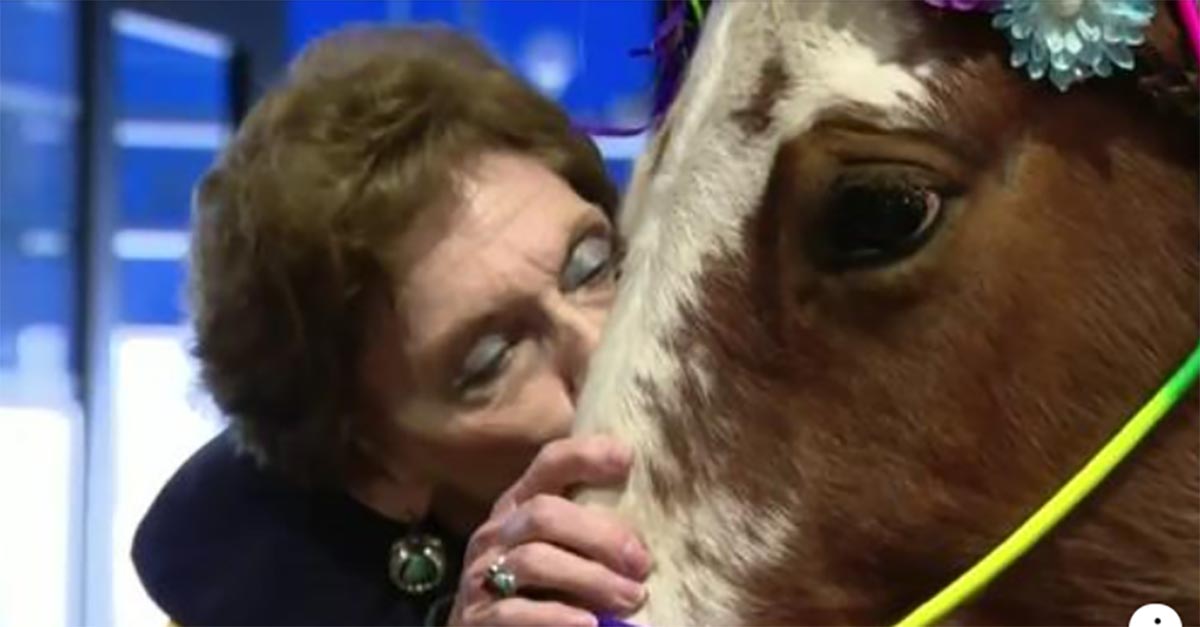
{"points": [[709, 180]]}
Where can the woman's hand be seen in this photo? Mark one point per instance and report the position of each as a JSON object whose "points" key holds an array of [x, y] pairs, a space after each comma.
{"points": [[585, 559]]}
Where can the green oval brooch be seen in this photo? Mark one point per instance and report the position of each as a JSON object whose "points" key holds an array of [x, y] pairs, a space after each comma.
{"points": [[417, 564]]}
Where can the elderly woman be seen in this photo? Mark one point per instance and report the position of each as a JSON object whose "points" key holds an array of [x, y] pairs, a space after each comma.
{"points": [[400, 267]]}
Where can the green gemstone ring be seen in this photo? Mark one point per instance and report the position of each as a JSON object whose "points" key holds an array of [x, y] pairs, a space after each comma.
{"points": [[417, 564], [499, 580]]}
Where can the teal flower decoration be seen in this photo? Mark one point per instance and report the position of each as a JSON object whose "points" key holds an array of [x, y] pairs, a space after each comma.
{"points": [[1072, 40]]}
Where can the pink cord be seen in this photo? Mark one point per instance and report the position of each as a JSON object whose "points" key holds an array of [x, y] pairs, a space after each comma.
{"points": [[1189, 14]]}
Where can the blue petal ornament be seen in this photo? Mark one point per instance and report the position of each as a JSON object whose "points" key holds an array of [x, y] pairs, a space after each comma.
{"points": [[1068, 41]]}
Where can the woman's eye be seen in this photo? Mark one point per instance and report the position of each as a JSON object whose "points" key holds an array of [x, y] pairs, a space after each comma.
{"points": [[590, 259], [874, 223], [484, 363]]}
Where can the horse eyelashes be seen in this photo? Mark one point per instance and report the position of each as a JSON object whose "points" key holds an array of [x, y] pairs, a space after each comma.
{"points": [[873, 223]]}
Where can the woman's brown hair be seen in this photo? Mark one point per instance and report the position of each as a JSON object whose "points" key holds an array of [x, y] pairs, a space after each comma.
{"points": [[294, 227]]}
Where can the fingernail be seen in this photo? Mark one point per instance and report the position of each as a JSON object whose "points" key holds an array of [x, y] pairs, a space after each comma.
{"points": [[586, 620], [620, 458], [636, 559], [632, 594]]}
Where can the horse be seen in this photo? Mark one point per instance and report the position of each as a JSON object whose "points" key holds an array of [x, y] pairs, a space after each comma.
{"points": [[882, 294]]}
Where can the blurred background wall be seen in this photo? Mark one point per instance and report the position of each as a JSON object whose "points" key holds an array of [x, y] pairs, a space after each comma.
{"points": [[109, 111]]}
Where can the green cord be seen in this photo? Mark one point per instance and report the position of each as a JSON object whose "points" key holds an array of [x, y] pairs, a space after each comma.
{"points": [[1061, 504], [698, 11]]}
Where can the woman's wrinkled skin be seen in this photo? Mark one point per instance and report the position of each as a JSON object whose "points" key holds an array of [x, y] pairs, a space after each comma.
{"points": [[473, 365]]}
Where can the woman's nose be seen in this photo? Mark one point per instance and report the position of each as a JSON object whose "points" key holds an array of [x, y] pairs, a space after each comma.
{"points": [[577, 334]]}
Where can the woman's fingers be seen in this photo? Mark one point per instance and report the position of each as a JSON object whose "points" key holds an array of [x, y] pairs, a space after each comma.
{"points": [[554, 546], [596, 534], [541, 566], [594, 460], [519, 611]]}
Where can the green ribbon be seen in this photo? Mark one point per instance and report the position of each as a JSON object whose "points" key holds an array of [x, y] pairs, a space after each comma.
{"points": [[1054, 510]]}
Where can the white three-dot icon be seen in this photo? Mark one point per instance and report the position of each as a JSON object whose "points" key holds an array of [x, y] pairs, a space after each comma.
{"points": [[1155, 615]]}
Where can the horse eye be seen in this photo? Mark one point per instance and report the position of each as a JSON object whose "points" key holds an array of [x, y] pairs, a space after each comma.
{"points": [[870, 224]]}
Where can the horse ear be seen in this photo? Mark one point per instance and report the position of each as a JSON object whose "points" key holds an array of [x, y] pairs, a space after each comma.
{"points": [[1168, 65]]}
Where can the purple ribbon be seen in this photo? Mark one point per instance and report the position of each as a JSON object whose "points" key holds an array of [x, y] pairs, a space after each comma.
{"points": [[671, 47], [608, 620], [963, 5]]}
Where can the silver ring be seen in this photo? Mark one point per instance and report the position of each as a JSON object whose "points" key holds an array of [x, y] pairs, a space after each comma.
{"points": [[500, 580]]}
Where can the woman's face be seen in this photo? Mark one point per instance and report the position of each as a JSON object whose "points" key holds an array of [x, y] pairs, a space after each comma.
{"points": [[500, 309]]}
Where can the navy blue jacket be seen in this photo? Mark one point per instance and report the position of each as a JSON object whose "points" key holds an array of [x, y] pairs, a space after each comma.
{"points": [[228, 543]]}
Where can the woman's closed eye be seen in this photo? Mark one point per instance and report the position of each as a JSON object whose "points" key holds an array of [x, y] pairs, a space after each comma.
{"points": [[483, 364], [590, 260]]}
